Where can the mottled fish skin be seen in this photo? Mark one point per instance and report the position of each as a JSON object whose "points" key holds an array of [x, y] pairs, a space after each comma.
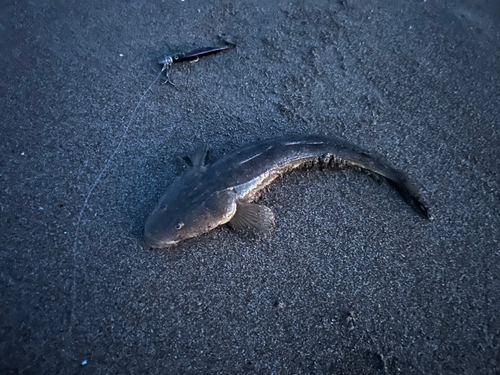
{"points": [[207, 196]]}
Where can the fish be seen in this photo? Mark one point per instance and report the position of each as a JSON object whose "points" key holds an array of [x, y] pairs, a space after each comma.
{"points": [[209, 195]]}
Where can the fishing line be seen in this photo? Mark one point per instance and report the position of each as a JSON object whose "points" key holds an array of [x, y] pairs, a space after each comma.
{"points": [[89, 194]]}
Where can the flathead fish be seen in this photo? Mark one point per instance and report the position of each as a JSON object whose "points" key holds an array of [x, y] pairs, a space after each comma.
{"points": [[207, 196]]}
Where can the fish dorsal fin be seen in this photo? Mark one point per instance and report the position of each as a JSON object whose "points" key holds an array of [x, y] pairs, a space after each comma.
{"points": [[252, 218], [199, 157]]}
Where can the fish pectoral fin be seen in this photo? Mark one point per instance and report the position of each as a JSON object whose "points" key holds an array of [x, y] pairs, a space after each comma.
{"points": [[199, 157], [252, 218]]}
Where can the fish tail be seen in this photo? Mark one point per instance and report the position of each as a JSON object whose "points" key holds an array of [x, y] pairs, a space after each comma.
{"points": [[409, 193], [397, 179]]}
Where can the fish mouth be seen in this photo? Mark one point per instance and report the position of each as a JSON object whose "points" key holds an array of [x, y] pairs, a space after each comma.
{"points": [[160, 244], [156, 240]]}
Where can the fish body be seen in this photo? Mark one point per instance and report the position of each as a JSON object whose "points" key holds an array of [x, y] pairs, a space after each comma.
{"points": [[207, 196]]}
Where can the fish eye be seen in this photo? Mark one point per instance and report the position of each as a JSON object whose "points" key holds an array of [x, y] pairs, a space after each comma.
{"points": [[179, 226]]}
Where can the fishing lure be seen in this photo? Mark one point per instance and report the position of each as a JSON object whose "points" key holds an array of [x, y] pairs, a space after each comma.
{"points": [[192, 55]]}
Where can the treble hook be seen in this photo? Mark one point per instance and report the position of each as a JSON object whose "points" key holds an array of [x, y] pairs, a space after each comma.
{"points": [[167, 63]]}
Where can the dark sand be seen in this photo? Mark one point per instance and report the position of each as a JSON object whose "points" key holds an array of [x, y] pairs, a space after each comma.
{"points": [[352, 281]]}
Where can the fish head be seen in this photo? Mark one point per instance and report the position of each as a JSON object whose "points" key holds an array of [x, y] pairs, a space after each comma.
{"points": [[189, 208]]}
